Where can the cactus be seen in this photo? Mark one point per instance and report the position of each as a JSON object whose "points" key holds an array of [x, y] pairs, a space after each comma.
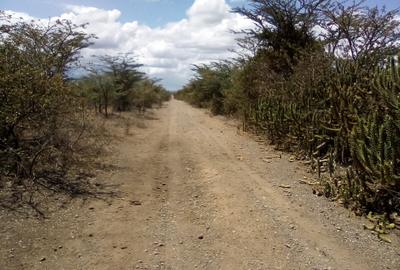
{"points": [[374, 150], [375, 141]]}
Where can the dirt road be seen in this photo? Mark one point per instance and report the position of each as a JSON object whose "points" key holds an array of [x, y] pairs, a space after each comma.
{"points": [[196, 193]]}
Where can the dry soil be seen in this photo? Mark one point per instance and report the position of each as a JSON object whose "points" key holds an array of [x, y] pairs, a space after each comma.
{"points": [[196, 193]]}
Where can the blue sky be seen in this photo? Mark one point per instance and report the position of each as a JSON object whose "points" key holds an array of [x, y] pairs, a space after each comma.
{"points": [[168, 36], [150, 12], [161, 11]]}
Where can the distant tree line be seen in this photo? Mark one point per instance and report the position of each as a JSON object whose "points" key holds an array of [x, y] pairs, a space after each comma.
{"points": [[114, 82], [321, 78]]}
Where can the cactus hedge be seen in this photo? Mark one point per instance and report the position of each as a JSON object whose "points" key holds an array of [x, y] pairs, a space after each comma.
{"points": [[331, 112]]}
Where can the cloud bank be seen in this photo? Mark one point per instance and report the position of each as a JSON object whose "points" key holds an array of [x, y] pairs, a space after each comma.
{"points": [[169, 51]]}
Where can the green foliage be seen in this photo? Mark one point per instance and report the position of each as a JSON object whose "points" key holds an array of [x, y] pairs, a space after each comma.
{"points": [[375, 141], [99, 90], [124, 73], [283, 28], [116, 81], [207, 90], [149, 93]]}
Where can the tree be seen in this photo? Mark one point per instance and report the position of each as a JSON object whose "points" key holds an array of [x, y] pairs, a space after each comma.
{"points": [[116, 80], [283, 28], [99, 89], [123, 69], [366, 35]]}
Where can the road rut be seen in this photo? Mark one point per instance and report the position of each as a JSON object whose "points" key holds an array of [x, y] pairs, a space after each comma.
{"points": [[197, 193]]}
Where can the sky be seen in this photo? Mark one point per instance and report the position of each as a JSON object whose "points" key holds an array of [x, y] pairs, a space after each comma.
{"points": [[167, 36]]}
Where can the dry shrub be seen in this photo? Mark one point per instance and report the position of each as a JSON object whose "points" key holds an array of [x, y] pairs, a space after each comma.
{"points": [[48, 140]]}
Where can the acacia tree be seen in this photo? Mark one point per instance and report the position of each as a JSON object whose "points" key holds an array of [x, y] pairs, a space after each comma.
{"points": [[116, 80], [283, 28], [148, 93], [365, 35], [123, 69], [349, 29], [99, 90]]}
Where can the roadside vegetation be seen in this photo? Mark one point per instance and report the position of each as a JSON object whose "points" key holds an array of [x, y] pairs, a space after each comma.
{"points": [[114, 83], [322, 79], [50, 128]]}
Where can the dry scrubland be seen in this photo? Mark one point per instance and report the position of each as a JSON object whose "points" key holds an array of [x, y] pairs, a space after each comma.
{"points": [[197, 195], [107, 172]]}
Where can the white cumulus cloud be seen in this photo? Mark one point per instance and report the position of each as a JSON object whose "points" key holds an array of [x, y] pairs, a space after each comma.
{"points": [[168, 51]]}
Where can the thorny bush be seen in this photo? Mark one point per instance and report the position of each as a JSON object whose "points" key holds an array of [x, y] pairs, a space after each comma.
{"points": [[44, 132]]}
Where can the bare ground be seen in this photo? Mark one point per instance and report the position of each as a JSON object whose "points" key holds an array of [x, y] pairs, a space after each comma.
{"points": [[195, 193]]}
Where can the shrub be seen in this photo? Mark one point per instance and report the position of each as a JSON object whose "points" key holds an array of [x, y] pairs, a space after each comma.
{"points": [[42, 120]]}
